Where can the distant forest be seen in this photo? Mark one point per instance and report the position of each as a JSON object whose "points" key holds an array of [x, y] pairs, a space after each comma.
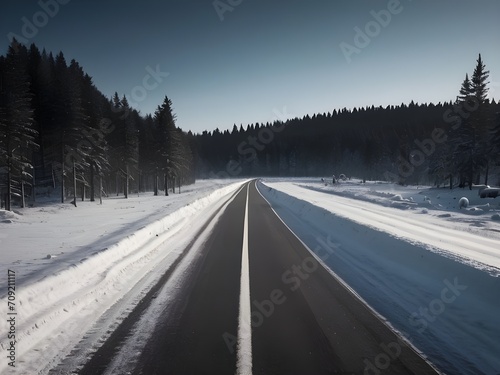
{"points": [[60, 136], [456, 143]]}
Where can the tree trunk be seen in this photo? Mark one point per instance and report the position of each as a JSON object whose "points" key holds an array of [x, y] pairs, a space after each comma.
{"points": [[165, 178], [62, 178], [74, 182], [100, 189], [53, 178], [33, 180], [33, 185], [173, 184], [23, 202], [155, 187], [451, 181], [471, 175], [179, 179], [472, 157], [126, 181], [139, 183], [487, 173], [9, 183], [92, 187], [117, 182]]}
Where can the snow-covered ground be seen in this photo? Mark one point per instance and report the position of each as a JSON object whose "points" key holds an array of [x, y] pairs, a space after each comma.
{"points": [[73, 264], [430, 268], [49, 237]]}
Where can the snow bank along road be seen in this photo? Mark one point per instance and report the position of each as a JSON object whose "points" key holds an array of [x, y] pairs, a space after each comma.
{"points": [[86, 293], [253, 299], [435, 282]]}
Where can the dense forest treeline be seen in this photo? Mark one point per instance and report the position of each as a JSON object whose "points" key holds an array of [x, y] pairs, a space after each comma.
{"points": [[455, 143], [59, 133]]}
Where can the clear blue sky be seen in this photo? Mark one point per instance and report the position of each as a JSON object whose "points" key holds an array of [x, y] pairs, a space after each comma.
{"points": [[267, 55]]}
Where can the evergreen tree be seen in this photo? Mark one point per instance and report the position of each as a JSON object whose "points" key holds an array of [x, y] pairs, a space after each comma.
{"points": [[173, 149], [495, 140], [462, 139], [480, 81], [480, 121], [17, 132], [71, 124], [131, 144], [466, 89], [147, 154], [165, 128], [44, 91], [45, 101], [470, 143], [93, 105]]}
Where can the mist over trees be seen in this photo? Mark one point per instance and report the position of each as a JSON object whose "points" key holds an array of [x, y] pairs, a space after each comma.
{"points": [[454, 143], [60, 135]]}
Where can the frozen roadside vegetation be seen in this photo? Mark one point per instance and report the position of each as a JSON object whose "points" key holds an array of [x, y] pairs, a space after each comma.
{"points": [[431, 270], [73, 264]]}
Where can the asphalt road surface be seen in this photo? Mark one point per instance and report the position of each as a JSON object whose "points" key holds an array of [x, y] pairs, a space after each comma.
{"points": [[257, 302]]}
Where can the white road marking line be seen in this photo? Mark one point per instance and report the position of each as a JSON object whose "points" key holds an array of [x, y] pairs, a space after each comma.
{"points": [[244, 351]]}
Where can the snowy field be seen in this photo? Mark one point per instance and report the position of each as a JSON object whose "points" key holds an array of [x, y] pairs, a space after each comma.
{"points": [[430, 268], [49, 237], [75, 265]]}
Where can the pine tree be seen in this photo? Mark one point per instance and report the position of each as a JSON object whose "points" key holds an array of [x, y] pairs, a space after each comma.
{"points": [[45, 113], [46, 101], [165, 127], [147, 154], [480, 121], [470, 141], [18, 134], [480, 81], [131, 145], [495, 140], [466, 89], [94, 138], [462, 139], [173, 148], [71, 124], [124, 143]]}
